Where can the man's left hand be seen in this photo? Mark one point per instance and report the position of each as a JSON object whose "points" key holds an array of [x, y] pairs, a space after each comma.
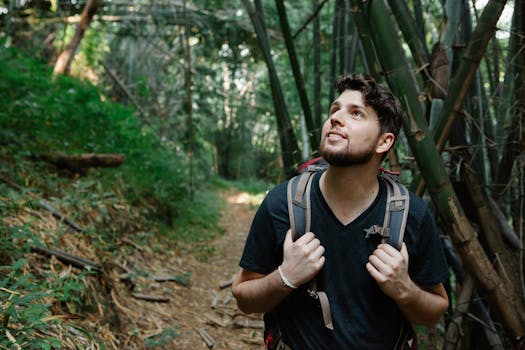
{"points": [[389, 267]]}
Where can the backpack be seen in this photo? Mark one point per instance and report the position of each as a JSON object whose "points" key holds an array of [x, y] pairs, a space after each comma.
{"points": [[299, 210]]}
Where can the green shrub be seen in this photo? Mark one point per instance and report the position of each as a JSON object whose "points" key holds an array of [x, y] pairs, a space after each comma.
{"points": [[63, 114]]}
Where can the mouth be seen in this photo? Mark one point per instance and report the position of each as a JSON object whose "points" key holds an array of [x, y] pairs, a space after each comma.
{"points": [[335, 136]]}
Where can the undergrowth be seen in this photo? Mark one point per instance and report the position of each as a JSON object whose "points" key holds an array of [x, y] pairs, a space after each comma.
{"points": [[43, 115], [146, 197]]}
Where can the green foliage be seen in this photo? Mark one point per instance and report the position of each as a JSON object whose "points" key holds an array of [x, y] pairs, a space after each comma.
{"points": [[23, 308], [41, 115], [198, 225], [26, 298], [65, 115], [161, 339], [254, 187]]}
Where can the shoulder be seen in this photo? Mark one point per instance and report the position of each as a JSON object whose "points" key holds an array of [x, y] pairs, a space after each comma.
{"points": [[419, 214], [418, 208], [275, 202], [277, 195]]}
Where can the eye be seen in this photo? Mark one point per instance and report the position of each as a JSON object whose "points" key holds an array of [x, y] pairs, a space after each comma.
{"points": [[356, 114], [333, 109]]}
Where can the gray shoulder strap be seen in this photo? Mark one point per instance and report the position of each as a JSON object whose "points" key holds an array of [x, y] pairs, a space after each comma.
{"points": [[396, 212], [299, 211], [298, 194]]}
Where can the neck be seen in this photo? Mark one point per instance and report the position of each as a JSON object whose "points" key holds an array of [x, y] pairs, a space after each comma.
{"points": [[350, 190], [350, 182]]}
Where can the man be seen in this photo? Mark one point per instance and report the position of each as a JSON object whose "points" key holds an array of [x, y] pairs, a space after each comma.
{"points": [[375, 291]]}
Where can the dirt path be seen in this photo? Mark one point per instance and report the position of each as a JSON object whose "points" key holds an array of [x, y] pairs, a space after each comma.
{"points": [[190, 307], [119, 319], [223, 322]]}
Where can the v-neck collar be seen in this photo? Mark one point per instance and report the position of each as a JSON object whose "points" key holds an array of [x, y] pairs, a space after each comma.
{"points": [[317, 192]]}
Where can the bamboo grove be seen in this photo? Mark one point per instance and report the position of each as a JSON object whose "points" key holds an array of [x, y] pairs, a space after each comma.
{"points": [[241, 87]]}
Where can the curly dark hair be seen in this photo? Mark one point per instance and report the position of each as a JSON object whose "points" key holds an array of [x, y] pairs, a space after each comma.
{"points": [[377, 96]]}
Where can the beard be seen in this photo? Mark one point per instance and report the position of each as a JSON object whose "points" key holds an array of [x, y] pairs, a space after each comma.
{"points": [[347, 158]]}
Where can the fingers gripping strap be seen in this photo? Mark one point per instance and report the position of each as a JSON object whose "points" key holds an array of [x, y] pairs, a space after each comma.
{"points": [[396, 214]]}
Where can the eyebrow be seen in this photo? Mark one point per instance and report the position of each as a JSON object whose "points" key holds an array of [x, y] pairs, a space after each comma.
{"points": [[351, 106]]}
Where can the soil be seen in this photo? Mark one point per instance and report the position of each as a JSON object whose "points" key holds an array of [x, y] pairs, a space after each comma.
{"points": [[220, 268], [112, 313], [205, 304]]}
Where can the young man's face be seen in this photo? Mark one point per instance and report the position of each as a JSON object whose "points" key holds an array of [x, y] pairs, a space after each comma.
{"points": [[351, 134]]}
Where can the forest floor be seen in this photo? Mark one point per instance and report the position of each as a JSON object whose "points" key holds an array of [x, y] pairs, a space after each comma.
{"points": [[204, 303], [107, 310], [224, 323]]}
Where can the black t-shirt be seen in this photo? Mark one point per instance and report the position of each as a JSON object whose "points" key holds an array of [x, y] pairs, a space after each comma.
{"points": [[363, 316]]}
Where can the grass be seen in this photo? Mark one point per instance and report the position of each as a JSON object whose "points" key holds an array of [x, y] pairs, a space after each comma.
{"points": [[145, 197]]}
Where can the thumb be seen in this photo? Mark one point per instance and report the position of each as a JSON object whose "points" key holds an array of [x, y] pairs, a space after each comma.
{"points": [[288, 238], [404, 252]]}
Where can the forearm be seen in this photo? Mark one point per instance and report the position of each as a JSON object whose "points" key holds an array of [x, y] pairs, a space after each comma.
{"points": [[422, 306], [258, 295], [302, 260]]}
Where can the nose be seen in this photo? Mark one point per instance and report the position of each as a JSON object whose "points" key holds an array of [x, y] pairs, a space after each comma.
{"points": [[337, 118]]}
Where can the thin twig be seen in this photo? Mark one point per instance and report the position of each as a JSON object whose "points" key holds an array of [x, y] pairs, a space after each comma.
{"points": [[312, 16], [153, 298], [520, 230]]}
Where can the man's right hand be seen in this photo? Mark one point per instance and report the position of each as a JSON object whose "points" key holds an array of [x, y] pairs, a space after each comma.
{"points": [[302, 259]]}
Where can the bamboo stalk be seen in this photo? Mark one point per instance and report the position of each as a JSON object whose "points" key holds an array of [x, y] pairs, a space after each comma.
{"points": [[403, 84], [153, 298], [454, 328], [68, 258], [210, 343]]}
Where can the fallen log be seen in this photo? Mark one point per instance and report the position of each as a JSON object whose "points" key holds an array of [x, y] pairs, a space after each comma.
{"points": [[183, 279], [154, 298], [68, 258], [79, 163]]}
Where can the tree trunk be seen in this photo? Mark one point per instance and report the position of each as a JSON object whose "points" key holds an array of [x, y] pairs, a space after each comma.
{"points": [[334, 47], [410, 31], [454, 331], [63, 63], [313, 130], [515, 141], [351, 42], [317, 69], [505, 264], [341, 37], [418, 14], [188, 103], [402, 82], [467, 68], [371, 60], [289, 148], [465, 72]]}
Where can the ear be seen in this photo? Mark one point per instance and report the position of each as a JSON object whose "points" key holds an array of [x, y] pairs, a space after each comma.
{"points": [[385, 142]]}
